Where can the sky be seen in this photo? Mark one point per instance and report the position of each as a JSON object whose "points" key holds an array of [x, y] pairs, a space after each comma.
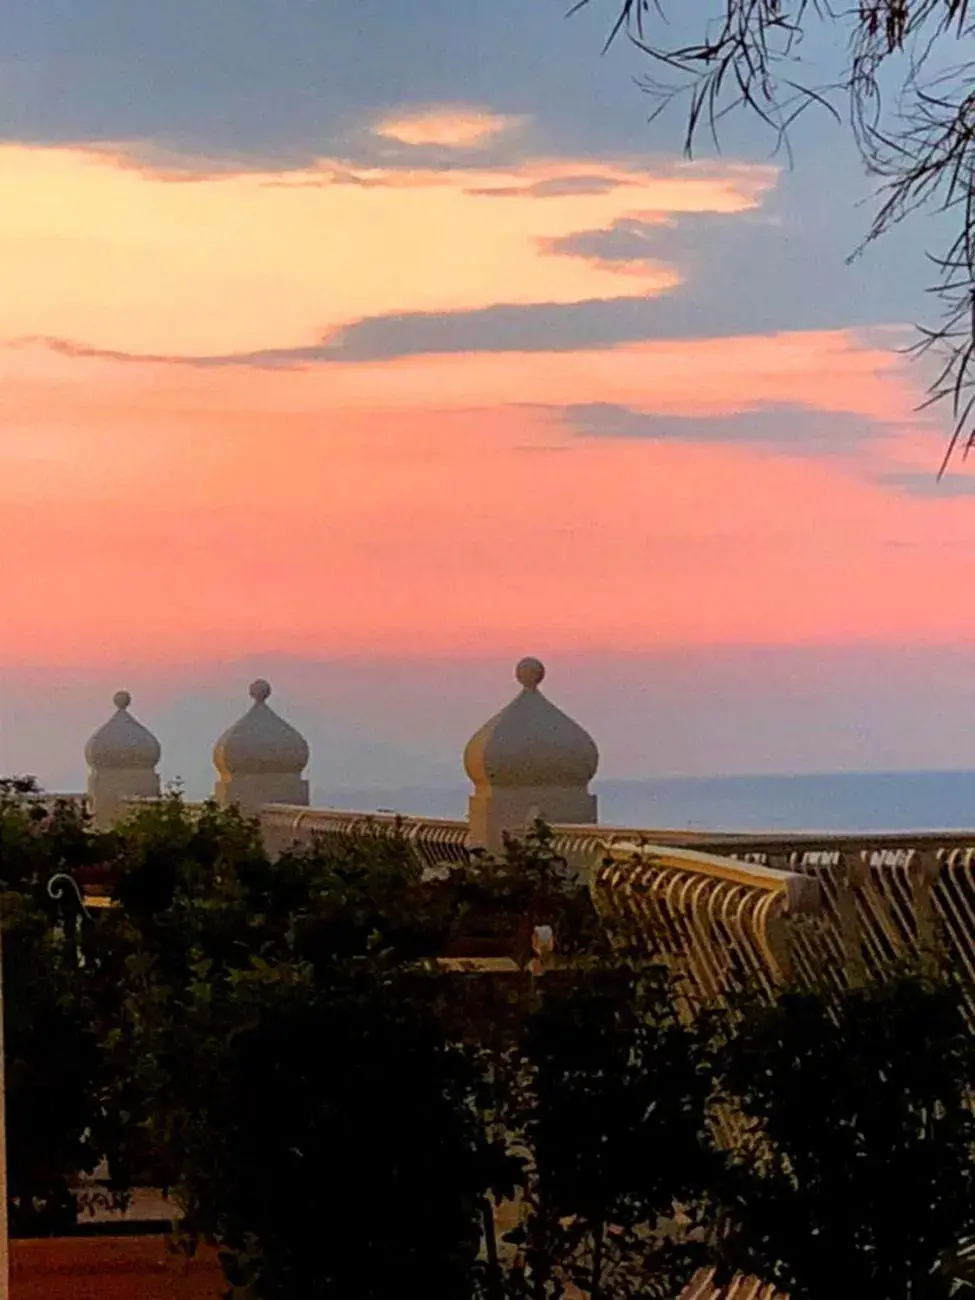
{"points": [[370, 346]]}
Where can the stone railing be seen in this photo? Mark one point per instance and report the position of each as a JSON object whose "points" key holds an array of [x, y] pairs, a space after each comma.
{"points": [[436, 842], [716, 922], [727, 906], [739, 1288], [441, 840], [885, 896], [880, 895], [585, 845], [721, 920], [730, 906], [879, 898]]}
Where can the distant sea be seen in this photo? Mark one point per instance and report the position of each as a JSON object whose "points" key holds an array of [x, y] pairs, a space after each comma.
{"points": [[828, 802]]}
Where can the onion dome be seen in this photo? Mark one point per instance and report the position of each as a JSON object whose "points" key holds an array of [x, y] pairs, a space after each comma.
{"points": [[261, 743], [531, 743], [122, 744]]}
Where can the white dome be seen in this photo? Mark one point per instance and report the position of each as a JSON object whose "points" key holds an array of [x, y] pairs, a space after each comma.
{"points": [[260, 743], [531, 743], [122, 744]]}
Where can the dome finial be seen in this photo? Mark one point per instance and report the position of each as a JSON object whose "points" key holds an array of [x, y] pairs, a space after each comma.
{"points": [[530, 760], [122, 744], [261, 758], [122, 757], [530, 673]]}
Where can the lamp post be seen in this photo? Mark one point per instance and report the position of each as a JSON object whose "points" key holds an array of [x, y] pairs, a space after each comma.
{"points": [[59, 887]]}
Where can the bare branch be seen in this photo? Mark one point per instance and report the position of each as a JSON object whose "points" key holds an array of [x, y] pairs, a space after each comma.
{"points": [[922, 149]]}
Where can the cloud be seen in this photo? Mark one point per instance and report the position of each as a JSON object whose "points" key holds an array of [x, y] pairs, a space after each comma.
{"points": [[918, 483], [446, 126], [587, 326], [593, 325], [761, 266], [627, 242], [556, 187], [784, 428], [239, 263]]}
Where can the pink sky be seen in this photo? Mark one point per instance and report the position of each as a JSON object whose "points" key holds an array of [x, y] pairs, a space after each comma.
{"points": [[285, 511], [432, 504]]}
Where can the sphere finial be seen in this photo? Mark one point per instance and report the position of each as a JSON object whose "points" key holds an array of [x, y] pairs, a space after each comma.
{"points": [[530, 673], [260, 690], [121, 699]]}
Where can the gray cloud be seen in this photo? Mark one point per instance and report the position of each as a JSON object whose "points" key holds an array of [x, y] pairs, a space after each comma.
{"points": [[917, 483], [628, 240], [504, 327], [535, 327], [791, 429], [757, 269], [743, 274], [556, 187], [592, 325], [71, 348]]}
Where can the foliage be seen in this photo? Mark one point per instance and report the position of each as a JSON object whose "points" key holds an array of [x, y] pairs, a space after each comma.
{"points": [[614, 1108], [507, 898], [298, 1092], [198, 893], [855, 1174], [319, 1133], [341, 1114], [905, 86], [276, 1041]]}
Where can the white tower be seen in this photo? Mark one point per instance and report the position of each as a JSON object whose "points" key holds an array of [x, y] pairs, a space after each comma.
{"points": [[529, 761], [260, 759], [121, 757]]}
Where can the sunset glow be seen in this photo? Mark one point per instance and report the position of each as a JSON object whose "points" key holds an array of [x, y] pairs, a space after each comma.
{"points": [[161, 481], [307, 509]]}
